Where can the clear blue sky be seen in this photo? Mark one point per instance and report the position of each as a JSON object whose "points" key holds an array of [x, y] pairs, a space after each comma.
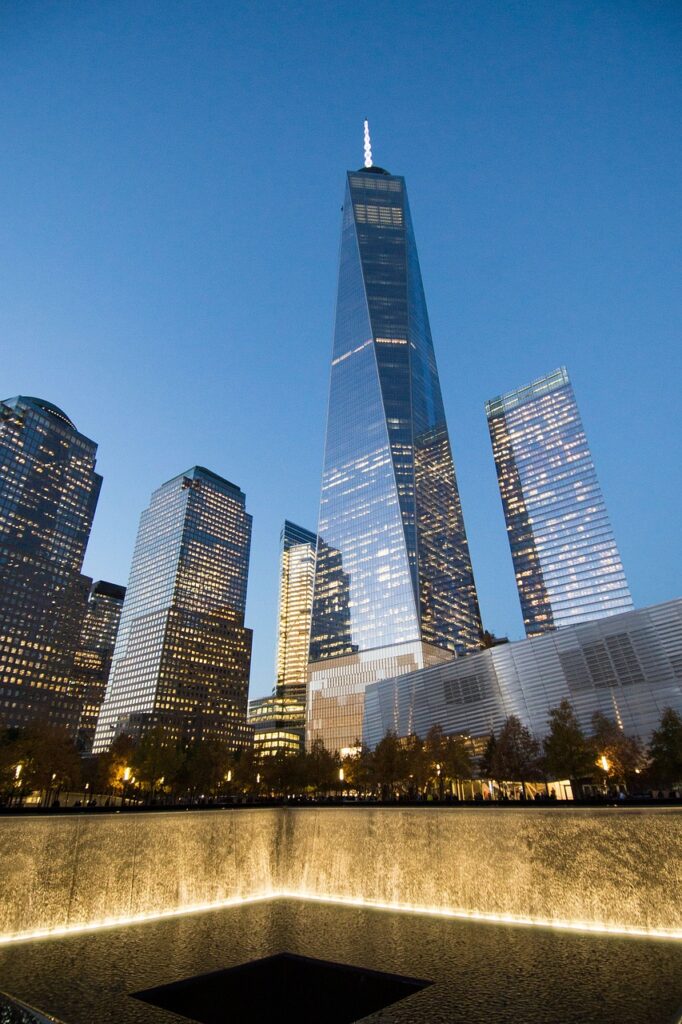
{"points": [[170, 195]]}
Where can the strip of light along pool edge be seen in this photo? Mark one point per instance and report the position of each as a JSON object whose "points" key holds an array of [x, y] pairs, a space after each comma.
{"points": [[484, 917]]}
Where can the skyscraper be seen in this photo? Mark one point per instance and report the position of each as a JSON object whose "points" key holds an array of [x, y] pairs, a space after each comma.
{"points": [[297, 575], [92, 661], [48, 495], [182, 655], [567, 565], [278, 721], [394, 589], [278, 725]]}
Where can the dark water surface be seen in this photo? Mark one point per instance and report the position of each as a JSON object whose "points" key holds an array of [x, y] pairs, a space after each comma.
{"points": [[481, 973]]}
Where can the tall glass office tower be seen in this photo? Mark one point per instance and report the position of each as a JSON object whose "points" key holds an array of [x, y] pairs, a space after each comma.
{"points": [[48, 495], [297, 575], [92, 661], [394, 589], [567, 565], [278, 721], [182, 654]]}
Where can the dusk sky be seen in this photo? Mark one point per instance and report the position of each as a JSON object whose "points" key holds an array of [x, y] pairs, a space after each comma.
{"points": [[170, 195]]}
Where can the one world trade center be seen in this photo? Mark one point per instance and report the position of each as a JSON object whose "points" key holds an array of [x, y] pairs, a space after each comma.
{"points": [[394, 589]]}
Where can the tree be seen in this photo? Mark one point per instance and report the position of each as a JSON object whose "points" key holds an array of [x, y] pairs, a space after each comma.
{"points": [[620, 756], [568, 752], [206, 764], [487, 763], [415, 766], [456, 758], [10, 759], [42, 757], [282, 772], [358, 769], [516, 753], [434, 747], [321, 768], [388, 764], [665, 749], [155, 760], [245, 771], [112, 765]]}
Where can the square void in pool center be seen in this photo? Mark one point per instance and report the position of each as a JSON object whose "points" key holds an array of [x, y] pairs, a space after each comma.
{"points": [[256, 991]]}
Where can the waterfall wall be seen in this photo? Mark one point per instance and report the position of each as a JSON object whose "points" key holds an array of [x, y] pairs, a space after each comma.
{"points": [[71, 871], [615, 867]]}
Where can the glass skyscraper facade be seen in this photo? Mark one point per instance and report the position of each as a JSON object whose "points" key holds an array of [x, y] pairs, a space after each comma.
{"points": [[278, 725], [92, 661], [566, 562], [278, 721], [297, 576], [393, 568], [182, 654], [48, 495]]}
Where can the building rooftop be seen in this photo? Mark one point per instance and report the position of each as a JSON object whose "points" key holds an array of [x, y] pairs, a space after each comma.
{"points": [[536, 389], [200, 472], [108, 589], [42, 406]]}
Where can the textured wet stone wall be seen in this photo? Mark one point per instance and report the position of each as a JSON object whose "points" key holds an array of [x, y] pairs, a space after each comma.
{"points": [[612, 866], [617, 867], [74, 870]]}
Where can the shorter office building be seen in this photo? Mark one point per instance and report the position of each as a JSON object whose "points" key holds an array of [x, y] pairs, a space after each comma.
{"points": [[297, 576], [278, 725], [627, 666], [183, 655], [92, 660]]}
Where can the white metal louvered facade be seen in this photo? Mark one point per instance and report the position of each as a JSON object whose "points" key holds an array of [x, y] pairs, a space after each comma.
{"points": [[628, 666]]}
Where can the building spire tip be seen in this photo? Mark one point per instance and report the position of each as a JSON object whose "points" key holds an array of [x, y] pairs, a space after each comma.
{"points": [[368, 146]]}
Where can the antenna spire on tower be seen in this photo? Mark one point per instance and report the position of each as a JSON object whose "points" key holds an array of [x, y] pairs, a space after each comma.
{"points": [[368, 146]]}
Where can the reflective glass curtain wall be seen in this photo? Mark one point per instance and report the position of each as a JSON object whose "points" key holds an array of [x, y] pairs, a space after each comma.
{"points": [[393, 563], [566, 562], [182, 654], [92, 661], [48, 495], [297, 574]]}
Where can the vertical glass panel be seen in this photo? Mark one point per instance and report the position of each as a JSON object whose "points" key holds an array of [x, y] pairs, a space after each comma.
{"points": [[364, 596], [567, 565], [393, 563]]}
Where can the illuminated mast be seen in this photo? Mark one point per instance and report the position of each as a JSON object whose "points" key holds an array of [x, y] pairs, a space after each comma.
{"points": [[368, 146]]}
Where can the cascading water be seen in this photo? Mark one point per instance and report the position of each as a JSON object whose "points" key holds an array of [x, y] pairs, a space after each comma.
{"points": [[614, 868], [617, 868]]}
